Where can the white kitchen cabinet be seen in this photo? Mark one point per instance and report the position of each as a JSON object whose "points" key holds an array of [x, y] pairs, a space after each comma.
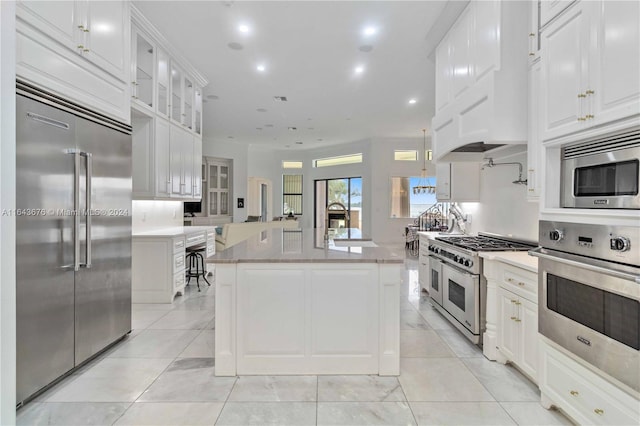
{"points": [[197, 168], [162, 155], [591, 64], [508, 332], [182, 162], [549, 9], [458, 181], [163, 83], [423, 263], [143, 64], [175, 104], [535, 150], [481, 68], [534, 31], [197, 105], [580, 392], [78, 50]]}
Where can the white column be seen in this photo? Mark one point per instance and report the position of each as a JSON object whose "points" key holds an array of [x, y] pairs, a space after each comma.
{"points": [[7, 222]]}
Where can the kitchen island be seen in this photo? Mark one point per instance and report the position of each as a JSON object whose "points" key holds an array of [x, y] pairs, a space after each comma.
{"points": [[287, 302]]}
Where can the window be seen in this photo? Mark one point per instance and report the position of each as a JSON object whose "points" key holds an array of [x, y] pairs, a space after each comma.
{"points": [[292, 194], [217, 187], [292, 164], [347, 191], [405, 155], [406, 204], [337, 161]]}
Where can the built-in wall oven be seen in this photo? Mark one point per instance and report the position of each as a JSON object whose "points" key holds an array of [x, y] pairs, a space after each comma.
{"points": [[602, 173], [589, 294]]}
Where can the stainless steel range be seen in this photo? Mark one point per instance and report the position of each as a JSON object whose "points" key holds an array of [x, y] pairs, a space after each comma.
{"points": [[456, 285]]}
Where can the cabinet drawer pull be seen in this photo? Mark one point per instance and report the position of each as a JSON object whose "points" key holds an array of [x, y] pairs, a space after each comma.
{"points": [[582, 119], [517, 303], [589, 92], [85, 50], [532, 54], [582, 95], [531, 190], [80, 46], [517, 320], [532, 35], [514, 318], [510, 280], [574, 393], [513, 301], [520, 283], [599, 411], [588, 116]]}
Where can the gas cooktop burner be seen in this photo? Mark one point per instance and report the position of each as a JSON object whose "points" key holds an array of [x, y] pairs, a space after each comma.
{"points": [[484, 243]]}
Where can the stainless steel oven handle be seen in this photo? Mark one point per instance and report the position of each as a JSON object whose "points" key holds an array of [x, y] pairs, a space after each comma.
{"points": [[602, 270]]}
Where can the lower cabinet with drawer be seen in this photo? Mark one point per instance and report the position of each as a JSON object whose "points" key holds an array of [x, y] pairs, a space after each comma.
{"points": [[581, 393], [158, 268], [512, 314]]}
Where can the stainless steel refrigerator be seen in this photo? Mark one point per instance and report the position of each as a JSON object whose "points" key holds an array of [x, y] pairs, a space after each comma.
{"points": [[73, 241]]}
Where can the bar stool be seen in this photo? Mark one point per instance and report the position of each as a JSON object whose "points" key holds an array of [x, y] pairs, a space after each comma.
{"points": [[195, 260]]}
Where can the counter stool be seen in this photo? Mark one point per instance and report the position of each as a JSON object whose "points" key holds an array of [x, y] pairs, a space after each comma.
{"points": [[195, 260]]}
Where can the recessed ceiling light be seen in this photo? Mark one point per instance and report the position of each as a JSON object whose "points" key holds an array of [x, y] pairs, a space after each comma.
{"points": [[261, 110], [235, 46], [359, 69], [369, 31], [230, 137], [366, 48], [280, 98], [261, 67], [412, 101], [244, 28]]}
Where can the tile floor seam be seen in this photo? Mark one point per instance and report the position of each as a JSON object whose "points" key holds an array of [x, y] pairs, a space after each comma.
{"points": [[122, 414], [228, 395], [317, 397], [508, 413], [415, 419], [488, 390]]}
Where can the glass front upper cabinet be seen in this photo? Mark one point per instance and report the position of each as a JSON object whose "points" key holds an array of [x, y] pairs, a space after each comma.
{"points": [[197, 104], [163, 82], [144, 63], [176, 94], [187, 113]]}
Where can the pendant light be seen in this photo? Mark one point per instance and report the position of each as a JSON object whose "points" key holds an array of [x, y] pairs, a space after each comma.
{"points": [[424, 186]]}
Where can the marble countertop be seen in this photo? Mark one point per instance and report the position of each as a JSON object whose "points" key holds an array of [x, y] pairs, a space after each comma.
{"points": [[521, 259], [174, 231], [304, 246]]}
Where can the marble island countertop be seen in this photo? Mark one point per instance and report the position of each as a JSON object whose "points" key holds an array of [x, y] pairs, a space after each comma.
{"points": [[307, 246], [174, 231]]}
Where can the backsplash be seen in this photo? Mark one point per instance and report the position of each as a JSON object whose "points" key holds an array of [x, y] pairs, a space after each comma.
{"points": [[148, 215], [503, 207]]}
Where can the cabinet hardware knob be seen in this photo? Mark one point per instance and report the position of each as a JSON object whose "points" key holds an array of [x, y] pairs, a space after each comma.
{"points": [[85, 50], [513, 318], [532, 34], [510, 280], [80, 46], [517, 320], [574, 393], [590, 92], [81, 27], [588, 116], [520, 283], [518, 303], [582, 119], [532, 54], [582, 95], [86, 30], [599, 411], [530, 190], [513, 301]]}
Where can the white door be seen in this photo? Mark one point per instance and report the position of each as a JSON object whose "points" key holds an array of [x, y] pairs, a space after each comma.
{"points": [[163, 158], [57, 19], [534, 145], [529, 338], [197, 167], [563, 50], [108, 35], [507, 325], [175, 160], [615, 61], [187, 163]]}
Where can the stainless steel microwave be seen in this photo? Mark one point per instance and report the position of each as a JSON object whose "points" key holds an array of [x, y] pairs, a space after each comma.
{"points": [[602, 173]]}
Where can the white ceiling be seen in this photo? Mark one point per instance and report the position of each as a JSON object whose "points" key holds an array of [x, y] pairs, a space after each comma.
{"points": [[310, 50]]}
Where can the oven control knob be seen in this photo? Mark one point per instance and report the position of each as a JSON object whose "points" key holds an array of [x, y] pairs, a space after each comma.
{"points": [[436, 250], [455, 258], [620, 244], [468, 263], [461, 260], [556, 235]]}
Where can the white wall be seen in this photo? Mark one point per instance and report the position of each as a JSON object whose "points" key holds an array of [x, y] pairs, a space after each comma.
{"points": [[503, 207], [239, 153], [7, 222], [148, 215]]}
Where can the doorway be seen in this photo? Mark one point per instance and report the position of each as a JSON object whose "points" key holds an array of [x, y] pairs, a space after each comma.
{"points": [[347, 191]]}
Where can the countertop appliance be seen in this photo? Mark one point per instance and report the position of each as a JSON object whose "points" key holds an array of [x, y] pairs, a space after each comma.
{"points": [[589, 295], [602, 173], [73, 236], [457, 286]]}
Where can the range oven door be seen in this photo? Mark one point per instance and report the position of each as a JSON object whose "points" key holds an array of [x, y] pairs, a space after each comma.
{"points": [[592, 308], [435, 280], [461, 296]]}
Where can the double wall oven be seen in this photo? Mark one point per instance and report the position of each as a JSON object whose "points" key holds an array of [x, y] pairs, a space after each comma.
{"points": [[589, 294], [456, 284]]}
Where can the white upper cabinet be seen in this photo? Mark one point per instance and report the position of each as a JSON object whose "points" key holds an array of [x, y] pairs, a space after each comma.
{"points": [[106, 28], [564, 43], [481, 80], [591, 67], [143, 68], [549, 9], [535, 160], [163, 83], [176, 101], [79, 50], [197, 125]]}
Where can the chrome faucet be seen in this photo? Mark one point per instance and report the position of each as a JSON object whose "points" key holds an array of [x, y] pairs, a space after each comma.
{"points": [[343, 210]]}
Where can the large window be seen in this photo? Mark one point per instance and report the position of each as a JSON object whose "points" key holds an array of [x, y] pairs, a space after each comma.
{"points": [[292, 194], [338, 161], [406, 204]]}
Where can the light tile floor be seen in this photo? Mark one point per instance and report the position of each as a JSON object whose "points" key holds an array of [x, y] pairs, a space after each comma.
{"points": [[163, 374]]}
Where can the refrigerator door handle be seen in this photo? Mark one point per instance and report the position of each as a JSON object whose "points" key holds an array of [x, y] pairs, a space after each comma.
{"points": [[76, 206], [89, 212]]}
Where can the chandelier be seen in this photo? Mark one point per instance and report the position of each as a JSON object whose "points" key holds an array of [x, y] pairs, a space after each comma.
{"points": [[424, 186]]}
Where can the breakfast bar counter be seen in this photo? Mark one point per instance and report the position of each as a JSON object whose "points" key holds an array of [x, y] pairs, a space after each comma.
{"points": [[289, 302]]}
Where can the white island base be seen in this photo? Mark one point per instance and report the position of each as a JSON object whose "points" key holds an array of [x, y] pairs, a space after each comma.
{"points": [[307, 318]]}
